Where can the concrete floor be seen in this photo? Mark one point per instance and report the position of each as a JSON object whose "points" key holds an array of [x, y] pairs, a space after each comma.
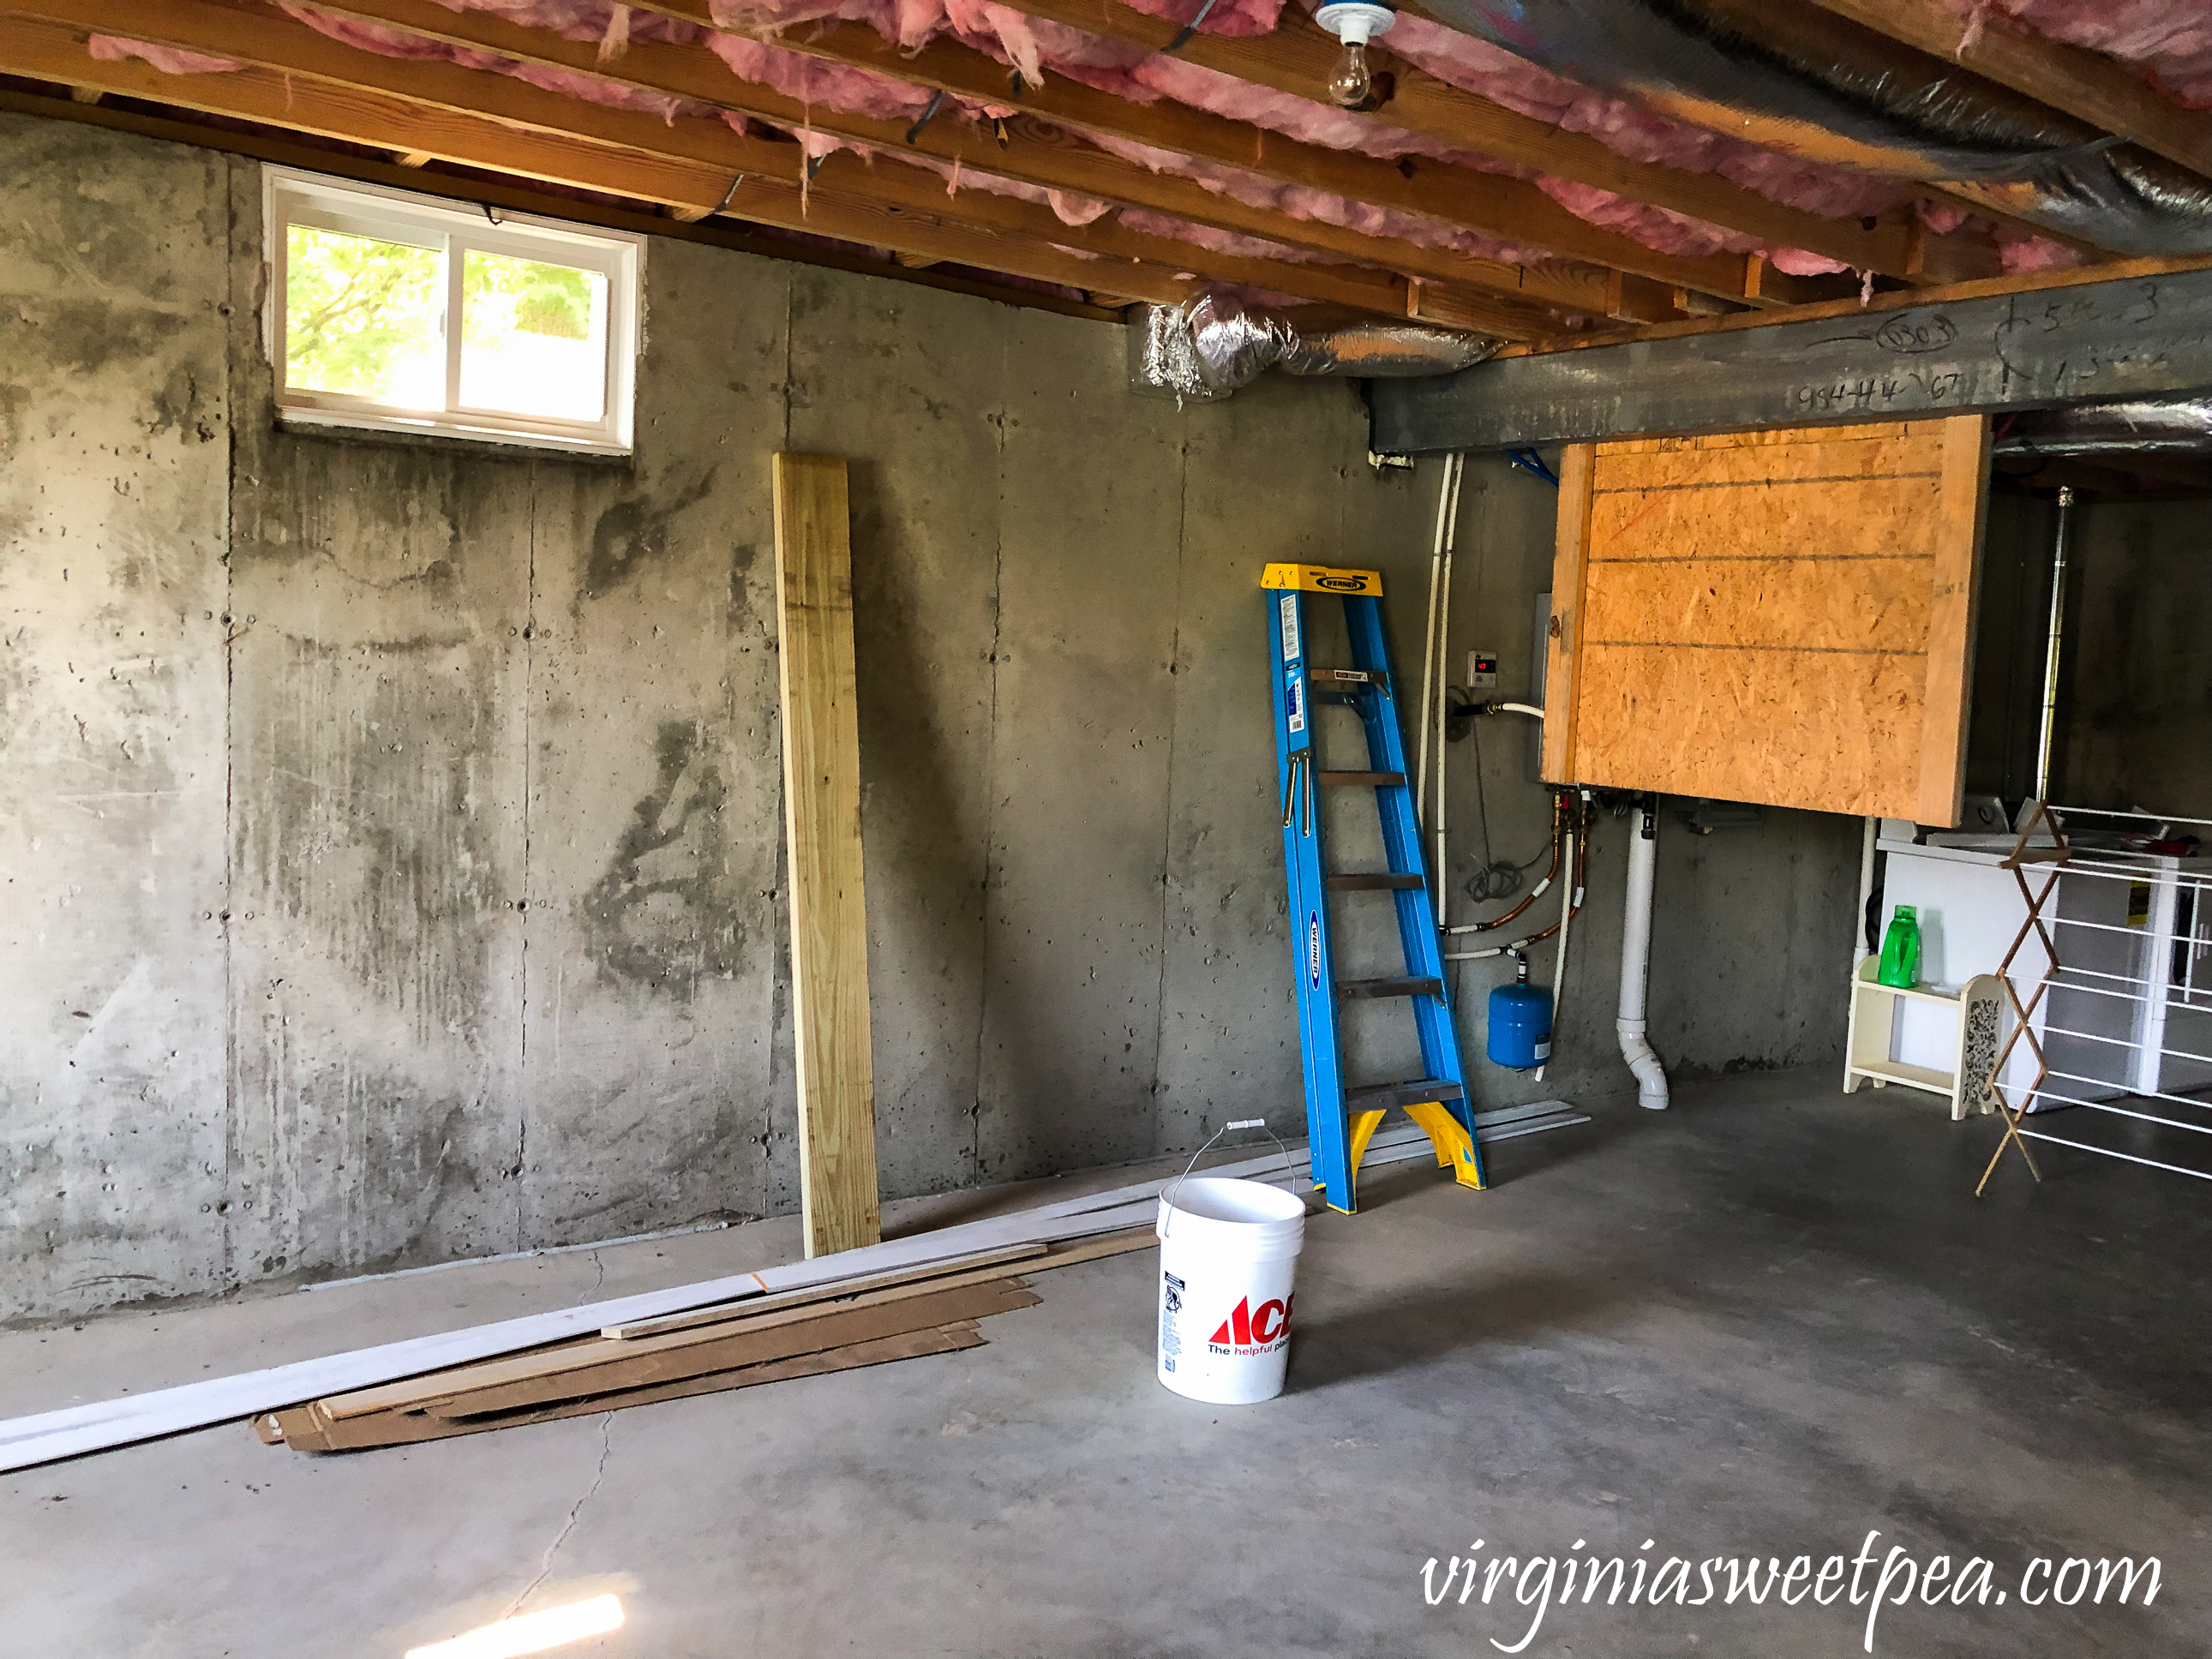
{"points": [[1765, 1323]]}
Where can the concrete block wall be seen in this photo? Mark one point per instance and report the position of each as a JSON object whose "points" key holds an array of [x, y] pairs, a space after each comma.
{"points": [[392, 842]]}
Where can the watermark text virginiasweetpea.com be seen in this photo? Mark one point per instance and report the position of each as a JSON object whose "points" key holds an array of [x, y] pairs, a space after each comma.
{"points": [[1530, 1587]]}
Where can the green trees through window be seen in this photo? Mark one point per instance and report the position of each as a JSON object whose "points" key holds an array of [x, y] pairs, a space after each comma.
{"points": [[359, 312], [365, 318]]}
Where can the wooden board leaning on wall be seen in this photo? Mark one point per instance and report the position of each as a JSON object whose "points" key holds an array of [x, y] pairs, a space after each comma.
{"points": [[821, 822], [1783, 617]]}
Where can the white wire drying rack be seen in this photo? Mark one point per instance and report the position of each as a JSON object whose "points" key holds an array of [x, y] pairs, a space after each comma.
{"points": [[2161, 1071]]}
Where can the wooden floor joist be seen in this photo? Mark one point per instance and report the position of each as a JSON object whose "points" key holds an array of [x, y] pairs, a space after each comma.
{"points": [[1298, 57], [263, 96], [1023, 148], [1492, 204], [2087, 85], [297, 77], [280, 147]]}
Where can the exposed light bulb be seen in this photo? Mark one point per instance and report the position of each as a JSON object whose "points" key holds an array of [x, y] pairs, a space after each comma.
{"points": [[1355, 22], [1350, 85]]}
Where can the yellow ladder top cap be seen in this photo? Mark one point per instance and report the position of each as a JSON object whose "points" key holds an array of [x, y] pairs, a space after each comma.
{"points": [[1324, 578]]}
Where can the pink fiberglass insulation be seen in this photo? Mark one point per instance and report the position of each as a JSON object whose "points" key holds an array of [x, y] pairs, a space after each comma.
{"points": [[112, 49], [1033, 46], [1220, 241], [2170, 41], [1036, 46], [809, 80], [1070, 209], [866, 92], [1300, 202], [398, 42], [1227, 17], [1476, 66]]}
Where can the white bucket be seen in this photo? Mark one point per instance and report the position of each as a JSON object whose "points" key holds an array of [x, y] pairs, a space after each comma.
{"points": [[1229, 1251]]}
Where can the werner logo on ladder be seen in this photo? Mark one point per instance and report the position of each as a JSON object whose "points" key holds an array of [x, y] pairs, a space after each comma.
{"points": [[1341, 1119]]}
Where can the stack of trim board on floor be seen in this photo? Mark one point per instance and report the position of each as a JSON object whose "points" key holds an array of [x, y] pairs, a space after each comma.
{"points": [[830, 1328], [587, 1358]]}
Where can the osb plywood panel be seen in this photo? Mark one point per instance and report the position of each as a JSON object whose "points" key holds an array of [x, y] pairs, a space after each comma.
{"points": [[1780, 617]]}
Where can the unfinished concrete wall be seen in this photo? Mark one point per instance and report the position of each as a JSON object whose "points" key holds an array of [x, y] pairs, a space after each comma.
{"points": [[2136, 687], [2134, 720], [2011, 625], [114, 454], [442, 914]]}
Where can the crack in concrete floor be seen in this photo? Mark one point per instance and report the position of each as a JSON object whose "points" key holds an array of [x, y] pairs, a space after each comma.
{"points": [[575, 1509]]}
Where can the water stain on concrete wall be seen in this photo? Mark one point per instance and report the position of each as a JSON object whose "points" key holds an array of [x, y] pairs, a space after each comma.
{"points": [[635, 533], [660, 915]]}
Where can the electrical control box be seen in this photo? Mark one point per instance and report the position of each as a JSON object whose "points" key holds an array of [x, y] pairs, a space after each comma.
{"points": [[1482, 671]]}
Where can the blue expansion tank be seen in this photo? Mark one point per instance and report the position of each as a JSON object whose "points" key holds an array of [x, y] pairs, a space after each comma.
{"points": [[1519, 1026]]}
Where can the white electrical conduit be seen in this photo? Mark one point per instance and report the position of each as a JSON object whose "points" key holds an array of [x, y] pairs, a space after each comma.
{"points": [[1635, 962]]}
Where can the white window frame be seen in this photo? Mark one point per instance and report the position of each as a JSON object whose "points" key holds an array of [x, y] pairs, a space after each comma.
{"points": [[455, 230]]}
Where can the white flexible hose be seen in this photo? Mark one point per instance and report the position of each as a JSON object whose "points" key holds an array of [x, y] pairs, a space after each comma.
{"points": [[1636, 963]]}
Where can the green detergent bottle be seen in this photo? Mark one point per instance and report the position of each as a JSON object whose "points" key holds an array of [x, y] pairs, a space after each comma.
{"points": [[1900, 950]]}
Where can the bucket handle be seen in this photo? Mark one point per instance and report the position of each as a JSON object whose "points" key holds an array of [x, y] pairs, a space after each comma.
{"points": [[1290, 1169]]}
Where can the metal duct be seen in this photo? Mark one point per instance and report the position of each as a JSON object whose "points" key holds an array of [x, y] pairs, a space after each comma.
{"points": [[2183, 427], [1215, 344], [1801, 80]]}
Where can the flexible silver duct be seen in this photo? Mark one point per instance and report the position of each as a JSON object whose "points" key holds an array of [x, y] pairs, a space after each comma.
{"points": [[1215, 344], [2183, 427], [1802, 80]]}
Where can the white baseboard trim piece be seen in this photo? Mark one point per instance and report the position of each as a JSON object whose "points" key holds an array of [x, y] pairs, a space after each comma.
{"points": [[73, 1430]]}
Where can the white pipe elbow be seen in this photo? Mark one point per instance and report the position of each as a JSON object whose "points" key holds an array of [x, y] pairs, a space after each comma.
{"points": [[1635, 962], [1651, 1075]]}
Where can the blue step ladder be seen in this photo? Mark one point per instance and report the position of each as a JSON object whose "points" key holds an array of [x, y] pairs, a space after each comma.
{"points": [[1341, 1120]]}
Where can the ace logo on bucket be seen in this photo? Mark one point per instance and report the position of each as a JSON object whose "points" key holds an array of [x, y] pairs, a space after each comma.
{"points": [[1249, 1330], [1229, 1252]]}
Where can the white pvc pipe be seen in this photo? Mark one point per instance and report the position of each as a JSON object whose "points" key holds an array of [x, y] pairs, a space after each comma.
{"points": [[1517, 709], [1428, 664], [1866, 892], [1438, 881], [2053, 644], [1559, 963], [1636, 963]]}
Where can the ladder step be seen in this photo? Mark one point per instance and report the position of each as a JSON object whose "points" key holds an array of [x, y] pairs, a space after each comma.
{"points": [[1344, 684], [1390, 988], [1380, 779], [1376, 1096], [1374, 884]]}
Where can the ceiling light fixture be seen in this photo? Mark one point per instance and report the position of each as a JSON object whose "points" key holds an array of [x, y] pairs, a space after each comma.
{"points": [[1355, 22]]}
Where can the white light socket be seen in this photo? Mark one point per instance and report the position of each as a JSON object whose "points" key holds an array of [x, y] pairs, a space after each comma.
{"points": [[1356, 23]]}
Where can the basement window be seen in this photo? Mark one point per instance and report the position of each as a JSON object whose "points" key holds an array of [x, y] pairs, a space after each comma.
{"points": [[404, 314]]}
